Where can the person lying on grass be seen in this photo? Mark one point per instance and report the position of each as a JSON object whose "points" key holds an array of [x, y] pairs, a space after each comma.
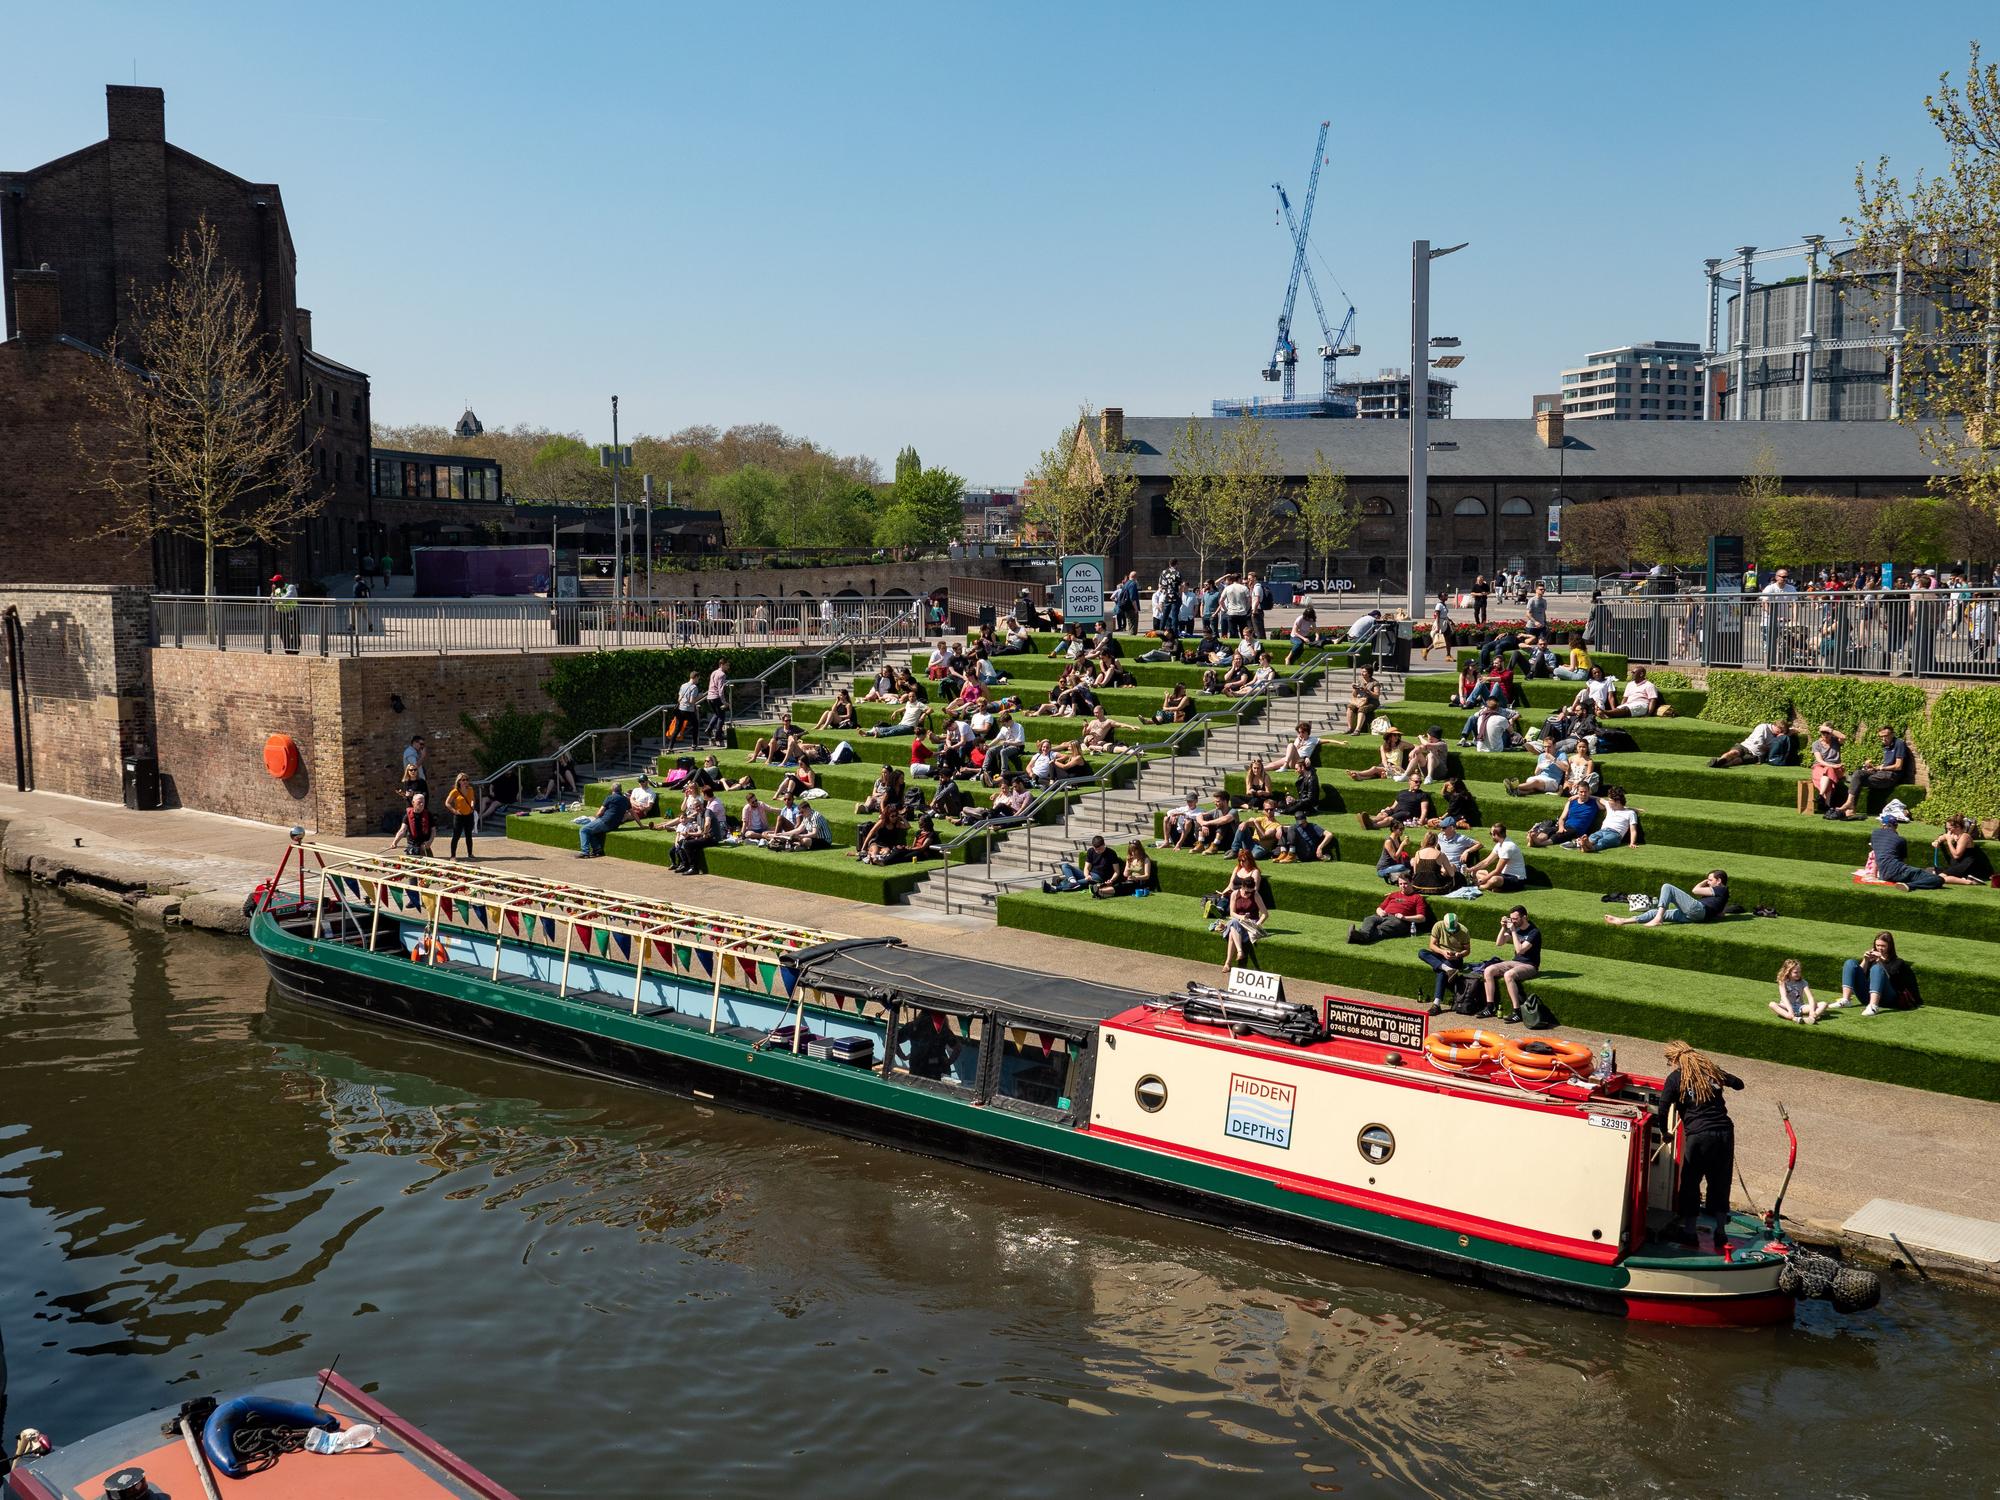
{"points": [[1769, 744], [1705, 903], [1795, 997]]}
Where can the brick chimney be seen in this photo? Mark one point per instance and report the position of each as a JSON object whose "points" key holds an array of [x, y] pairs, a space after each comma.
{"points": [[135, 114], [1549, 428], [1111, 428], [37, 305], [302, 320]]}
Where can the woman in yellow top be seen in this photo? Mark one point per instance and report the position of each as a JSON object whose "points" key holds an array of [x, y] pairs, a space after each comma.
{"points": [[460, 804], [1579, 662]]}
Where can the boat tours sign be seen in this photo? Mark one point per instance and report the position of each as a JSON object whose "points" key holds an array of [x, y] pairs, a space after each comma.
{"points": [[1378, 1024], [1260, 1110], [1255, 984], [1082, 590]]}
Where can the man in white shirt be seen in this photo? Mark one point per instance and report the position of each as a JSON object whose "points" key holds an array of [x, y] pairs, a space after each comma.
{"points": [[1299, 750], [905, 722], [1781, 583], [1598, 690], [1042, 769], [1364, 628], [1003, 753], [1641, 698], [1175, 823], [1236, 604], [1506, 868], [1767, 744], [826, 616]]}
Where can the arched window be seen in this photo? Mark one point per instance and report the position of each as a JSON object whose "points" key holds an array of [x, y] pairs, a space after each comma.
{"points": [[1432, 508], [1516, 506], [1471, 505], [1377, 566], [1377, 507]]}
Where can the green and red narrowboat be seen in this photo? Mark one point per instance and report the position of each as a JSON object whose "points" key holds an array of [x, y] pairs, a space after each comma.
{"points": [[1369, 1140]]}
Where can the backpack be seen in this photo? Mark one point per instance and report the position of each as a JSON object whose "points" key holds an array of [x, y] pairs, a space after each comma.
{"points": [[1535, 1013], [1468, 991]]}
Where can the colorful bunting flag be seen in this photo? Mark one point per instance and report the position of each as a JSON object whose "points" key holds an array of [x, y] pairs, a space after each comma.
{"points": [[603, 940], [493, 916], [624, 945], [707, 962], [514, 921], [767, 976]]}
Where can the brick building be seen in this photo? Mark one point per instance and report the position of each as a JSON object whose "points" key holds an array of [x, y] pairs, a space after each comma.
{"points": [[106, 221]]}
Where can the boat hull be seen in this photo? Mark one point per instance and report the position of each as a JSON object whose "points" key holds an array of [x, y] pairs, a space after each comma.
{"points": [[458, 1009]]}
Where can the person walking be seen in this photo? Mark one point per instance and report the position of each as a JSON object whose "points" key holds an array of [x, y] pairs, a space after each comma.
{"points": [[715, 703], [417, 828], [1171, 584], [687, 708], [285, 603], [1708, 1154], [462, 803], [1479, 591], [1125, 602]]}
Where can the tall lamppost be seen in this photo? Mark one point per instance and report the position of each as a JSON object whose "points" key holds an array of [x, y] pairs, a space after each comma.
{"points": [[1421, 343]]}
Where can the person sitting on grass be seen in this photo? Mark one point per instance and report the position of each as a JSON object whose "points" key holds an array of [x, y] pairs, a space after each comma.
{"points": [[886, 792], [1243, 912], [1109, 674], [1890, 851], [712, 777], [1619, 825], [1305, 842], [1256, 780], [1396, 854], [1576, 728], [644, 800], [1578, 819], [1403, 913], [796, 782], [1215, 830], [1235, 679], [1549, 776], [769, 750], [1455, 800], [1178, 829], [1177, 707], [1010, 801], [1363, 699], [1705, 903], [1461, 850], [908, 718], [1491, 728], [755, 820], [1305, 793], [1392, 760], [1261, 833], [1891, 769], [971, 696], [1101, 733], [799, 826], [1521, 962], [1825, 782], [1262, 680], [950, 802], [1795, 997], [1496, 685], [1890, 981], [1430, 871], [883, 688], [1579, 662], [1430, 757], [1963, 861], [1446, 952], [1505, 869], [1015, 640], [1301, 750], [882, 841], [1004, 750], [1097, 866], [1641, 699], [1411, 805], [1468, 684], [840, 714], [1070, 764], [1136, 873], [1769, 744], [1042, 764], [1599, 692]]}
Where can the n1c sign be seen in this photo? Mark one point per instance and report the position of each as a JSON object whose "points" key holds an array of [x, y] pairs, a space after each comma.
{"points": [[1082, 591]]}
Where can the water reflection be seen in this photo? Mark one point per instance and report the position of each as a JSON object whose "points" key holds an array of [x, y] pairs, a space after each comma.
{"points": [[216, 1193]]}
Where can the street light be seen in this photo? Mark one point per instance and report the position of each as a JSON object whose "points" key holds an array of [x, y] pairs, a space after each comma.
{"points": [[1421, 344]]}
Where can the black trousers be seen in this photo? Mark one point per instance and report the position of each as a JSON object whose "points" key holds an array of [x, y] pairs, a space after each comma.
{"points": [[461, 828], [1707, 1165]]}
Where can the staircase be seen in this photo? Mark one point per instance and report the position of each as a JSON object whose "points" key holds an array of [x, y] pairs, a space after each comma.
{"points": [[1022, 857]]}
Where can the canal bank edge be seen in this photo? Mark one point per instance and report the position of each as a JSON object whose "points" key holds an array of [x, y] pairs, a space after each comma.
{"points": [[161, 890], [207, 892]]}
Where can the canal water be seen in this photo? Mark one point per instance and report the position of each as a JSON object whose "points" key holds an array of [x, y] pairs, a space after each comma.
{"points": [[591, 1290]]}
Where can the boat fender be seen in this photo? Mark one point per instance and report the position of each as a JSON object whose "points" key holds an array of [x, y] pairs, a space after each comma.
{"points": [[1850, 1289], [281, 757], [218, 1433]]}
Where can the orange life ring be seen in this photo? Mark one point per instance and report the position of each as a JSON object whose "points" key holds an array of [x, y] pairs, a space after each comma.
{"points": [[425, 950], [1463, 1047], [1572, 1055], [281, 757]]}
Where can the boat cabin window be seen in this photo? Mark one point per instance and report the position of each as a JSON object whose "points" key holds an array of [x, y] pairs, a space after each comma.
{"points": [[938, 1046], [1039, 1068]]}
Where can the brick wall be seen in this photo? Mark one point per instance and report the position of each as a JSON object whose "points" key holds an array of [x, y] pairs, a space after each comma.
{"points": [[88, 683]]}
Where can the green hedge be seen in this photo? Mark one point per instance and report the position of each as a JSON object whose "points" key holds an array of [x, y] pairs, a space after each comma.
{"points": [[598, 689], [1844, 702], [1958, 742]]}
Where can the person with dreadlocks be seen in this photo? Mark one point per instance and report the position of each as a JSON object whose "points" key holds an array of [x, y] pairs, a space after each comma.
{"points": [[1695, 1083]]}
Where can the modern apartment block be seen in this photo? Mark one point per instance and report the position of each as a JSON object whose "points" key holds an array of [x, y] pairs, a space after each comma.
{"points": [[1651, 382]]}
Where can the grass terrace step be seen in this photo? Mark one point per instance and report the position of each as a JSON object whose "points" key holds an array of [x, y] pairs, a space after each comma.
{"points": [[1035, 726], [1128, 704], [1614, 665], [1949, 1051], [1680, 821], [1956, 971], [850, 779], [827, 872], [1543, 693], [1159, 675], [838, 811], [1672, 736]]}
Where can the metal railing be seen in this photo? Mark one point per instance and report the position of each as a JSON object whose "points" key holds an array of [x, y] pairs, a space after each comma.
{"points": [[1921, 633], [364, 627], [1202, 727]]}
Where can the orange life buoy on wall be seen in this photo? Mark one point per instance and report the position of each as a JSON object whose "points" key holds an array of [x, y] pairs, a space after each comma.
{"points": [[1464, 1048], [281, 757]]}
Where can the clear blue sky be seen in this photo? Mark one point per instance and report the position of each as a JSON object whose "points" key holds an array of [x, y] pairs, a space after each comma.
{"points": [[947, 224]]}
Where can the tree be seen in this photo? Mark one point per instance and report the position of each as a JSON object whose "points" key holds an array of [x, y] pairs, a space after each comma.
{"points": [[1079, 493], [926, 510], [202, 439], [1763, 483], [1596, 534], [908, 465], [1327, 516], [1194, 495], [751, 500], [1249, 490], [1944, 233]]}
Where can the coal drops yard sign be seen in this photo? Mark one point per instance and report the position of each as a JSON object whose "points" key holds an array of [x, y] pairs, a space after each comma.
{"points": [[1082, 601]]}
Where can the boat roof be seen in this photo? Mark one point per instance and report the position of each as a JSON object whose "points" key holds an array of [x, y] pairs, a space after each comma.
{"points": [[397, 882], [884, 968]]}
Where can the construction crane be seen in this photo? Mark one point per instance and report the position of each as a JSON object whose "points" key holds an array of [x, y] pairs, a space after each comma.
{"points": [[1333, 346], [1284, 362]]}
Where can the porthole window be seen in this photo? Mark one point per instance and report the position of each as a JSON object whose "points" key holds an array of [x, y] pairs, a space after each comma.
{"points": [[1151, 1092], [1375, 1144]]}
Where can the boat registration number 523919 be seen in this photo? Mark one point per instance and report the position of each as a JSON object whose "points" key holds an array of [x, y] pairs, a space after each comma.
{"points": [[1610, 1122], [1260, 1110]]}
